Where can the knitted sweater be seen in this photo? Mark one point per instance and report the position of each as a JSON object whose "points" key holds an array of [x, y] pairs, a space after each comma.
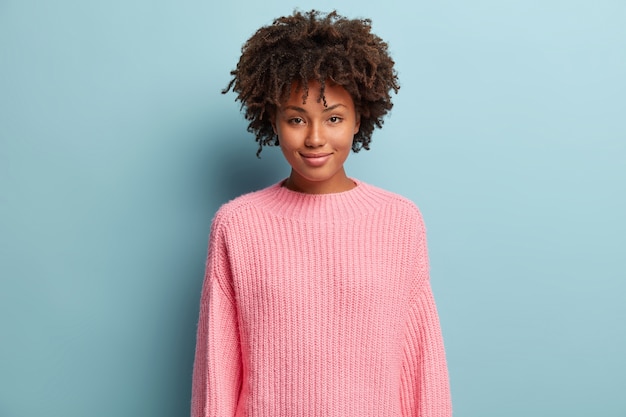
{"points": [[319, 306]]}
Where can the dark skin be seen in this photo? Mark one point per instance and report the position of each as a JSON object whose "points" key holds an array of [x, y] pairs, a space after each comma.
{"points": [[316, 139]]}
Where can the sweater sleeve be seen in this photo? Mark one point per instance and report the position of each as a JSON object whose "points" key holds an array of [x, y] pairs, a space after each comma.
{"points": [[217, 367], [425, 385]]}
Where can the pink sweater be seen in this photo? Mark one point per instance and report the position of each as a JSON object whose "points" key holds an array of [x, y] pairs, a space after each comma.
{"points": [[319, 306]]}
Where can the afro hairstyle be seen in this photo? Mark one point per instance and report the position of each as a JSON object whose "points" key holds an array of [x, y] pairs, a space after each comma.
{"points": [[323, 47]]}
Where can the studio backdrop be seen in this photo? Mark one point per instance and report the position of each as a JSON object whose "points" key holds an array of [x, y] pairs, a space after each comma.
{"points": [[117, 147]]}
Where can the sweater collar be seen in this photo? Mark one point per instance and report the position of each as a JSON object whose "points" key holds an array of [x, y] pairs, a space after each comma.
{"points": [[339, 206]]}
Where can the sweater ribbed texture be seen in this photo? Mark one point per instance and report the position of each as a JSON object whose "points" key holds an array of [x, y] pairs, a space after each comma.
{"points": [[319, 306]]}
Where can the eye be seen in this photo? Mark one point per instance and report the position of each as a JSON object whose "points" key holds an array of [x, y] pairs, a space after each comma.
{"points": [[296, 121], [335, 119]]}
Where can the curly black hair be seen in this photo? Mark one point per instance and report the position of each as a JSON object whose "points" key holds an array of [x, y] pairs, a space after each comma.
{"points": [[314, 46]]}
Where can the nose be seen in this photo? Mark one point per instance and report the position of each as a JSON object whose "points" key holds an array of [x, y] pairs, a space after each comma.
{"points": [[314, 137]]}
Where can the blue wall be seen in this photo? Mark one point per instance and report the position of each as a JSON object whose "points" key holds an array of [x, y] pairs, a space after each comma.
{"points": [[116, 148]]}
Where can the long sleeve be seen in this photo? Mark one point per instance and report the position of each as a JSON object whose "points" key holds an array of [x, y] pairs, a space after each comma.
{"points": [[425, 385], [217, 372]]}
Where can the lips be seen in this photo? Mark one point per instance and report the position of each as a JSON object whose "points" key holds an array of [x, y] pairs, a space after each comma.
{"points": [[315, 159]]}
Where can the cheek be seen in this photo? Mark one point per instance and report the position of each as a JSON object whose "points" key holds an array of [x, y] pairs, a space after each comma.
{"points": [[286, 146], [347, 138], [284, 141]]}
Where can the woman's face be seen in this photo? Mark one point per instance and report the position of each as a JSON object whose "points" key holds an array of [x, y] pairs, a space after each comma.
{"points": [[316, 139]]}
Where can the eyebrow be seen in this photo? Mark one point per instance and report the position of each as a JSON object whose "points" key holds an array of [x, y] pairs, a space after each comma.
{"points": [[327, 109]]}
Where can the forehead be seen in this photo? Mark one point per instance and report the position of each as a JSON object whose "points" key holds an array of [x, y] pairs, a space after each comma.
{"points": [[301, 93]]}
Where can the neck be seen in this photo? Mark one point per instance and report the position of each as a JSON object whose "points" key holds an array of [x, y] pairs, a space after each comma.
{"points": [[336, 185]]}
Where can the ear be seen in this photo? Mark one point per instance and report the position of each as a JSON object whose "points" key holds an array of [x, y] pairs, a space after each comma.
{"points": [[357, 125], [273, 121]]}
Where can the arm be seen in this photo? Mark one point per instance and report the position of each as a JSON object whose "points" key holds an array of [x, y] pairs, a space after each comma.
{"points": [[217, 366], [425, 385]]}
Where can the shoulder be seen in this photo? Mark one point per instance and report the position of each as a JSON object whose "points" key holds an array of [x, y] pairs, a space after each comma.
{"points": [[242, 207], [392, 202]]}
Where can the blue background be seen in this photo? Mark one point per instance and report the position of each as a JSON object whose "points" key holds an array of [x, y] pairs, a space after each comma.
{"points": [[117, 147]]}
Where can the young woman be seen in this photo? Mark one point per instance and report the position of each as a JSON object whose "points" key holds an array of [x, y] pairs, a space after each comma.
{"points": [[316, 299]]}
